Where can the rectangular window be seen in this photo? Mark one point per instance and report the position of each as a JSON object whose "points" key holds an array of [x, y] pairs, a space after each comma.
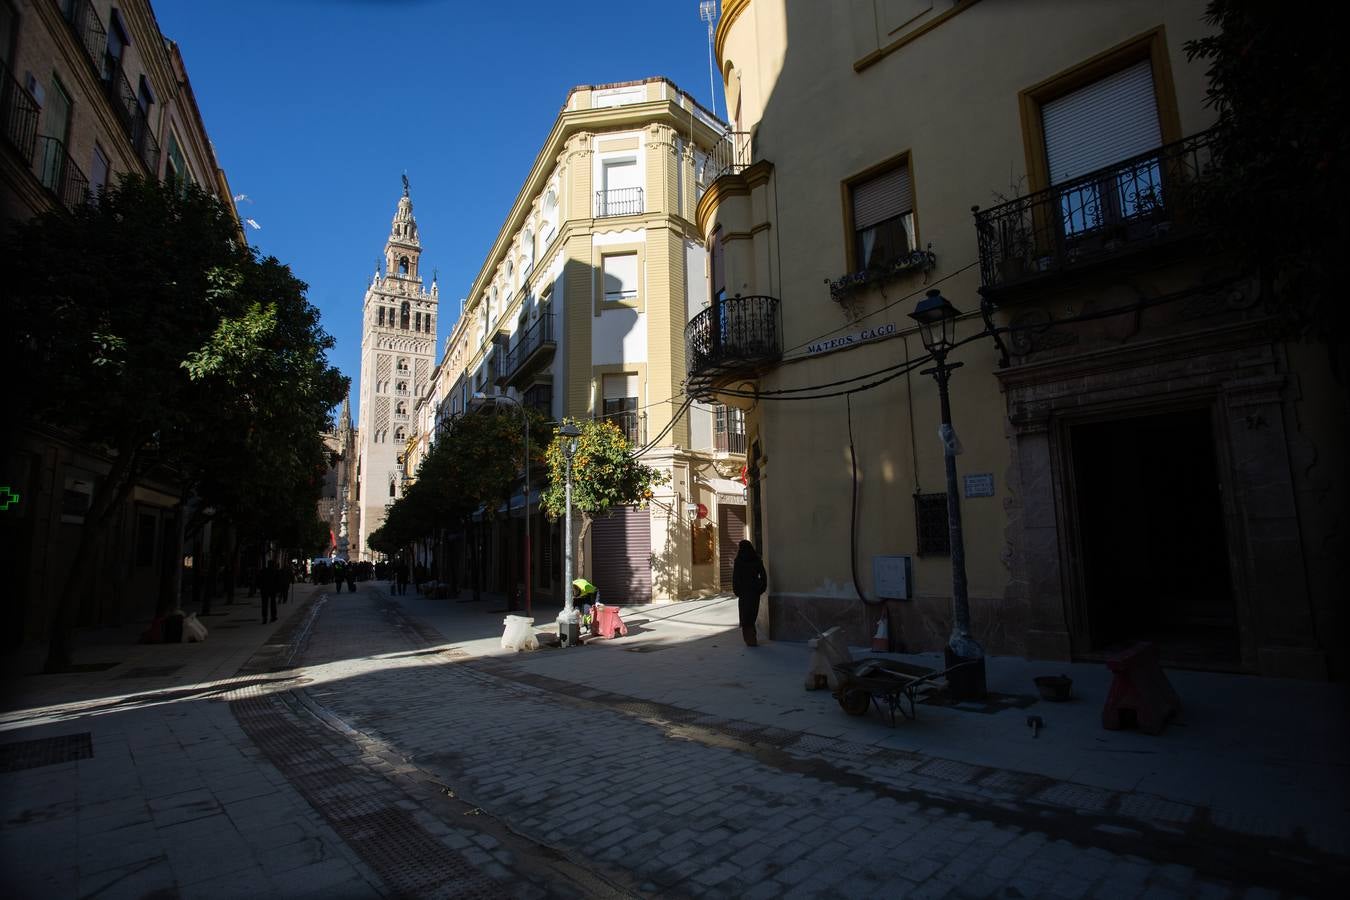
{"points": [[883, 217], [99, 172], [930, 524], [622, 189], [117, 44], [1096, 127], [620, 273], [417, 321], [9, 29], [175, 169], [57, 117], [381, 315], [621, 402], [729, 431]]}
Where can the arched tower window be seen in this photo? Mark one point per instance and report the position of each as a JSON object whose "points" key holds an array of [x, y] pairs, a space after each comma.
{"points": [[403, 265], [401, 409], [391, 487], [381, 315], [399, 435], [403, 318]]}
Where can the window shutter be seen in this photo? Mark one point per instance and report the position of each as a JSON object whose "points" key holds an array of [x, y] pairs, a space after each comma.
{"points": [[1101, 124], [620, 387], [620, 175], [621, 276], [881, 198]]}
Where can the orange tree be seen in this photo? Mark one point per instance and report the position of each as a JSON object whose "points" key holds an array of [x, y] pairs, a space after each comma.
{"points": [[605, 474]]}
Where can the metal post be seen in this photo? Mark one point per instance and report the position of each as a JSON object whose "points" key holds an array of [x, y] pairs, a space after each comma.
{"points": [[566, 614], [961, 642], [525, 420]]}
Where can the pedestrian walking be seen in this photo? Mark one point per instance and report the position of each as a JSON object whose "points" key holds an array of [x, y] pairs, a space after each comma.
{"points": [[401, 577], [269, 582], [339, 575], [748, 580], [351, 577]]}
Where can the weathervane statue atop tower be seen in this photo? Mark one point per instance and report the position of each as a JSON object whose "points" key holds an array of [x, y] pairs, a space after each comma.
{"points": [[405, 184]]}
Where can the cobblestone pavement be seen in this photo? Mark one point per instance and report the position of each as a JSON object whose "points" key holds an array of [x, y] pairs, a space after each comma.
{"points": [[667, 801], [357, 753]]}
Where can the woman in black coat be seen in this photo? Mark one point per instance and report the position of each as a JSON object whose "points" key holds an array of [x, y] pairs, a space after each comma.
{"points": [[748, 580]]}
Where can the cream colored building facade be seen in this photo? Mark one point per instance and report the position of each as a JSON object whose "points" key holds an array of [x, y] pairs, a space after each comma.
{"points": [[398, 352], [1142, 459], [580, 311]]}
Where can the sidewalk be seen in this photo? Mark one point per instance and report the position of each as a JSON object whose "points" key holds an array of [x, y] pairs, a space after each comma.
{"points": [[1253, 755], [115, 784]]}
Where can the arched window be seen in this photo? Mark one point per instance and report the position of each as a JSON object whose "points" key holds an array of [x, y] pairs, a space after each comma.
{"points": [[510, 276], [391, 487], [381, 315], [403, 360], [403, 265], [399, 435], [527, 247], [403, 319], [401, 408], [550, 223], [402, 387]]}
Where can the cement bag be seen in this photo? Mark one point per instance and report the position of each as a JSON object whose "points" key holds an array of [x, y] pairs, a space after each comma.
{"points": [[518, 634], [193, 629]]}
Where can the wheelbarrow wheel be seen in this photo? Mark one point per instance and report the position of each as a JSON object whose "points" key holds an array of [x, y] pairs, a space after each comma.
{"points": [[855, 702]]}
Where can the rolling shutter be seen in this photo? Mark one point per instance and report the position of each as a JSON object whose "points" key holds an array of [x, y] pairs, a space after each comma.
{"points": [[730, 533], [881, 198], [621, 545], [1101, 124]]}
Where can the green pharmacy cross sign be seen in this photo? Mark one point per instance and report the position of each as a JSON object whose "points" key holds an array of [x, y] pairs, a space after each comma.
{"points": [[7, 498]]}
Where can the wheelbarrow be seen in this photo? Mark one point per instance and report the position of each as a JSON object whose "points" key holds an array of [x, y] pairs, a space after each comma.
{"points": [[866, 683]]}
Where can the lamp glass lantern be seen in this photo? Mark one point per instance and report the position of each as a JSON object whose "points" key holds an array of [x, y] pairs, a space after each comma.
{"points": [[937, 322]]}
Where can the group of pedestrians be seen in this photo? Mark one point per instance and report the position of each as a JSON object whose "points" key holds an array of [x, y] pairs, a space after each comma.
{"points": [[274, 583]]}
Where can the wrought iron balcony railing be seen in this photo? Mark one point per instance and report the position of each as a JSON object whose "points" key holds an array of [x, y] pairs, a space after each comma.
{"points": [[134, 119], [59, 174], [1136, 203], [88, 29], [729, 156], [618, 202], [534, 344], [18, 116], [736, 334], [729, 441]]}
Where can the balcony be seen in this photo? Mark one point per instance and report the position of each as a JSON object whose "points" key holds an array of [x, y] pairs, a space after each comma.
{"points": [[535, 348], [88, 29], [1109, 215], [730, 156], [18, 117], [93, 37], [618, 202], [729, 442], [740, 336], [59, 174]]}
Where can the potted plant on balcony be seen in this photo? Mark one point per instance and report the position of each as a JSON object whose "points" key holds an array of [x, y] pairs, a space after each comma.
{"points": [[848, 289]]}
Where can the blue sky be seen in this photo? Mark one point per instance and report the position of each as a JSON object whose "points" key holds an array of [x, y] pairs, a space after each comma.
{"points": [[316, 107]]}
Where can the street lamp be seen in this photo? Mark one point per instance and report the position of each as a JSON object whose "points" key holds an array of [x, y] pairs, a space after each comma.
{"points": [[569, 433], [937, 329], [525, 425]]}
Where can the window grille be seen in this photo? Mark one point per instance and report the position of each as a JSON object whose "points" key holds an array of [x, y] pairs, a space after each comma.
{"points": [[931, 526]]}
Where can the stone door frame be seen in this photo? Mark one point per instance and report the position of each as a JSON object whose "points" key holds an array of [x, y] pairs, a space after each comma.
{"points": [[1240, 375]]}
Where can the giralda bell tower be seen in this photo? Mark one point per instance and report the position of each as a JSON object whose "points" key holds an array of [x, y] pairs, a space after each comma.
{"points": [[398, 350]]}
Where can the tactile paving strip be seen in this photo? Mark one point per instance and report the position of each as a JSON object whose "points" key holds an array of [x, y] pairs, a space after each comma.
{"points": [[410, 861], [20, 755]]}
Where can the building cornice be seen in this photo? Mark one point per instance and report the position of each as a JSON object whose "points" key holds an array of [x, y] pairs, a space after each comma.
{"points": [[570, 123]]}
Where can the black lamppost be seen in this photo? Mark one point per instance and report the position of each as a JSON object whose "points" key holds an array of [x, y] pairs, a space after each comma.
{"points": [[569, 434], [937, 329]]}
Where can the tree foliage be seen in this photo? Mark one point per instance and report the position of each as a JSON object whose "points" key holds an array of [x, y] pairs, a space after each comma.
{"points": [[1276, 197], [605, 473], [159, 337]]}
